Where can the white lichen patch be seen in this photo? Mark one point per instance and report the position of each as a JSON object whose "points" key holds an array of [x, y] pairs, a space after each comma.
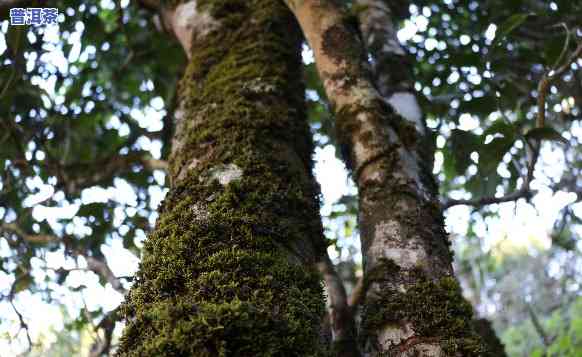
{"points": [[224, 174], [390, 243], [405, 104], [392, 46], [188, 23], [259, 86], [200, 212], [410, 170], [392, 335]]}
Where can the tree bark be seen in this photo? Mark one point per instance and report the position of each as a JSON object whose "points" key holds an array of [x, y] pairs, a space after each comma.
{"points": [[413, 304], [392, 72], [229, 268]]}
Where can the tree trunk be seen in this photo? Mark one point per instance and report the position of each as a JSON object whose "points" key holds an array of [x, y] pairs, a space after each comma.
{"points": [[228, 268], [413, 304], [392, 72]]}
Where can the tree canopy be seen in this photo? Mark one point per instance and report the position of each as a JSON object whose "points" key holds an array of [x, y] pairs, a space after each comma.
{"points": [[86, 111]]}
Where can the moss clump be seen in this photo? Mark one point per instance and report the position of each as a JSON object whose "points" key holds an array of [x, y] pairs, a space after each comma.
{"points": [[484, 328], [434, 308], [340, 43], [224, 272]]}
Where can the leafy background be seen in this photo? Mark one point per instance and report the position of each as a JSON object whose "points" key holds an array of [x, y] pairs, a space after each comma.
{"points": [[85, 115]]}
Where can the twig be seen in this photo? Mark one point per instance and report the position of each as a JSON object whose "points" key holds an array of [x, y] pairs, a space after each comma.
{"points": [[546, 340], [357, 294], [23, 324]]}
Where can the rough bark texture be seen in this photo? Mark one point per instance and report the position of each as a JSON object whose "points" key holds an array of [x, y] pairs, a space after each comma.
{"points": [[341, 316], [225, 272], [391, 66], [413, 304], [484, 328], [392, 73]]}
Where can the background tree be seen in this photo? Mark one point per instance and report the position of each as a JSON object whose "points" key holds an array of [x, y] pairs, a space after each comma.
{"points": [[83, 135]]}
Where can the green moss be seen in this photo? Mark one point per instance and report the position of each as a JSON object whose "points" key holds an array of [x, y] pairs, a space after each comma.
{"points": [[339, 43], [484, 328], [435, 309], [224, 272]]}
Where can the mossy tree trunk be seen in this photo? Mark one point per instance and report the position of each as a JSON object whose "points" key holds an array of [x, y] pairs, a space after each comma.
{"points": [[392, 73], [413, 304], [227, 270]]}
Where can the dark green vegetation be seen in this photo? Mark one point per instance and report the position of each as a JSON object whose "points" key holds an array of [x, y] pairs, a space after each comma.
{"points": [[66, 138]]}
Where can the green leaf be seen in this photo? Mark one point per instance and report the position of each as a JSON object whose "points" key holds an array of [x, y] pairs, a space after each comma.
{"points": [[545, 133], [508, 26]]}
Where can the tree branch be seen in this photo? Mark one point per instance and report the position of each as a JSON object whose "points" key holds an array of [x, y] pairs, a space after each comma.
{"points": [[107, 324], [97, 265], [484, 201], [546, 340], [29, 238], [341, 316], [525, 191], [23, 324], [105, 169], [100, 267], [357, 294]]}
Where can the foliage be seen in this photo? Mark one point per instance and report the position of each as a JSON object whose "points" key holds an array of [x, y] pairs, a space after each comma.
{"points": [[85, 122]]}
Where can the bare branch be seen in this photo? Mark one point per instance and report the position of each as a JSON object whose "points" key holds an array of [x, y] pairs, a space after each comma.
{"points": [[29, 238], [547, 80], [357, 294], [23, 324], [100, 267], [546, 340], [480, 202], [341, 317], [94, 173], [102, 346]]}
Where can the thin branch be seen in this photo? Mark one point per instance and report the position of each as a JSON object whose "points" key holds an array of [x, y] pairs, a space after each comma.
{"points": [[525, 191], [100, 267], [341, 316], [29, 238], [546, 340], [357, 294], [97, 265], [23, 324], [102, 346], [105, 169], [480, 202], [547, 80]]}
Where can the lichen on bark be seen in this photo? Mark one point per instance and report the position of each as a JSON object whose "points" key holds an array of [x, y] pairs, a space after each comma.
{"points": [[434, 311], [227, 269]]}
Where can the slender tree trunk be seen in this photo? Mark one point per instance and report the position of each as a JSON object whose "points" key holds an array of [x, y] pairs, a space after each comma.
{"points": [[228, 268], [413, 304], [392, 72]]}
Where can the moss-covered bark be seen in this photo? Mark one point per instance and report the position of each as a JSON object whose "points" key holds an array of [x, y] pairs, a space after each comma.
{"points": [[413, 305], [225, 271]]}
